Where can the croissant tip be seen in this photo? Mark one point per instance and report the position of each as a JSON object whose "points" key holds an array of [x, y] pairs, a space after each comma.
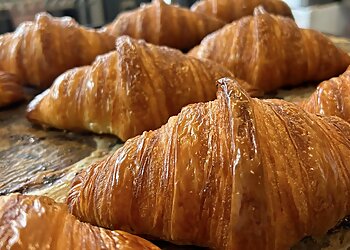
{"points": [[12, 90], [31, 114], [75, 186], [231, 90], [227, 83], [158, 2], [42, 15], [32, 107], [259, 10], [123, 40]]}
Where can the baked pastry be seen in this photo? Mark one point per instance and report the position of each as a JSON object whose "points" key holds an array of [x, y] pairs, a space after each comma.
{"points": [[37, 52], [38, 222], [10, 91], [128, 91], [271, 52], [331, 98], [234, 173], [163, 24], [231, 10]]}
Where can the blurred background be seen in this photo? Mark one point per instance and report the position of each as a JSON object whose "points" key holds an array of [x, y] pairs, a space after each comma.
{"points": [[328, 16]]}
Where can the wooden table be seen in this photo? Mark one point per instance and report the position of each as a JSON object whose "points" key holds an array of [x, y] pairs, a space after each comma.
{"points": [[37, 161]]}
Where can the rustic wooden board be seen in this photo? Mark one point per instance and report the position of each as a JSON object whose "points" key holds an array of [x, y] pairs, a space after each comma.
{"points": [[32, 158], [37, 161]]}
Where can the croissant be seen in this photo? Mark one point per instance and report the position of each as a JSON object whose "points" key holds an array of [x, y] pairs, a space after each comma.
{"points": [[230, 10], [37, 52], [270, 52], [331, 98], [163, 24], [38, 222], [10, 91], [234, 173], [133, 89]]}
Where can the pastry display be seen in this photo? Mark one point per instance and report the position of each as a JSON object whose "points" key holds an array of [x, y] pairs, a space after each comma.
{"points": [[38, 222], [133, 89], [205, 163], [39, 51], [231, 10], [271, 52], [162, 24], [331, 98], [10, 91], [234, 173]]}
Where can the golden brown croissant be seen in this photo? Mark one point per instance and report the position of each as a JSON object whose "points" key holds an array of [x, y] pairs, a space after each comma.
{"points": [[133, 89], [37, 52], [270, 52], [234, 173], [332, 98], [38, 222], [10, 91], [163, 24], [230, 10]]}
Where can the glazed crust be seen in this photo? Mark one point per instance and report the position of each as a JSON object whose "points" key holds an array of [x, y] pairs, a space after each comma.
{"points": [[133, 89], [271, 52], [234, 173], [331, 98], [10, 91], [37, 52], [230, 10], [38, 222], [162, 24]]}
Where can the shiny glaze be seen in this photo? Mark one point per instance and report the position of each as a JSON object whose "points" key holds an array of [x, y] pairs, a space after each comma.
{"points": [[133, 89], [37, 222], [230, 10], [270, 52], [234, 173], [331, 98], [37, 52], [164, 24], [10, 91]]}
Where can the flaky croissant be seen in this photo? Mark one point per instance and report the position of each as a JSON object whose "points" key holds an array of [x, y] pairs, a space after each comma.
{"points": [[270, 52], [234, 173], [34, 222], [133, 89], [37, 52], [331, 98], [10, 91], [163, 24], [230, 10]]}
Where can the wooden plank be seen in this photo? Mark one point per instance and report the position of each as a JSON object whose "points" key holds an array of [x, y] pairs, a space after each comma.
{"points": [[31, 157]]}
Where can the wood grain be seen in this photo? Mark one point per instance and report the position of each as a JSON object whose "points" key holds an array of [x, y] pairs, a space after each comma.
{"points": [[31, 158]]}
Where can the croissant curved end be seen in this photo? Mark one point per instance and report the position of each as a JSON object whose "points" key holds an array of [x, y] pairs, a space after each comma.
{"points": [[158, 2], [196, 5], [45, 17], [76, 185], [228, 88], [126, 40], [10, 89], [259, 10], [32, 108], [42, 15], [44, 222]]}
